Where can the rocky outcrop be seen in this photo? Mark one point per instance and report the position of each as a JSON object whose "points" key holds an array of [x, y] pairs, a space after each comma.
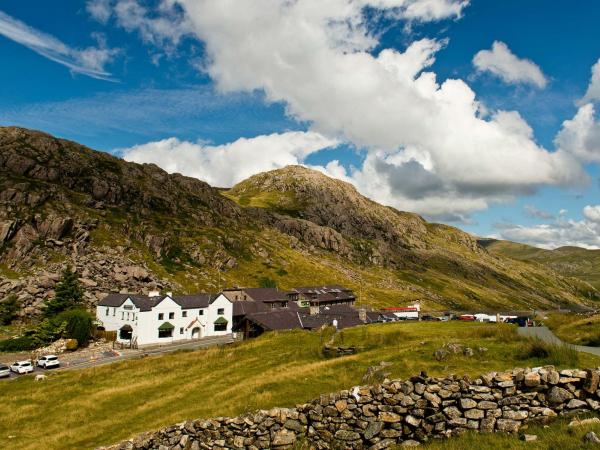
{"points": [[400, 411]]}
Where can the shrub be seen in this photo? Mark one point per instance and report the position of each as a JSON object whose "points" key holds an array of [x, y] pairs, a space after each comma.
{"points": [[19, 344], [546, 353], [71, 344], [78, 324], [266, 282], [501, 332], [8, 309]]}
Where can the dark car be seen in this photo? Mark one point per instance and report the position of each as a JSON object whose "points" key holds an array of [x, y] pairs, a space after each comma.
{"points": [[522, 321]]}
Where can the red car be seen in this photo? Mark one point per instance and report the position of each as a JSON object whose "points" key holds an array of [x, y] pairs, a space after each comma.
{"points": [[467, 317]]}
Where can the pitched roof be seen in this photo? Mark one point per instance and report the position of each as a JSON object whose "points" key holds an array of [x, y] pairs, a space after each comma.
{"points": [[166, 326], [144, 303], [242, 308], [265, 294], [276, 319], [141, 302], [220, 320]]}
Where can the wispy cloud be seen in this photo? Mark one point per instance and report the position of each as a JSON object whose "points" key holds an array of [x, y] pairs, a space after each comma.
{"points": [[90, 61]]}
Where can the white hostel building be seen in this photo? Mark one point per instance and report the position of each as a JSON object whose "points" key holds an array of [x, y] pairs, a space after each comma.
{"points": [[160, 319]]}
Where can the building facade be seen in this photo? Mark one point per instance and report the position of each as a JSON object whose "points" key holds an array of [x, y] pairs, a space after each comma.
{"points": [[162, 319]]}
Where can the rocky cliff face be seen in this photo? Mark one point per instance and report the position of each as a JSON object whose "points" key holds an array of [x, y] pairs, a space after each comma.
{"points": [[134, 228]]}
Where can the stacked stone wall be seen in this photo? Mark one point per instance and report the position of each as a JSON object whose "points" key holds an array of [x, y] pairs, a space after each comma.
{"points": [[394, 412]]}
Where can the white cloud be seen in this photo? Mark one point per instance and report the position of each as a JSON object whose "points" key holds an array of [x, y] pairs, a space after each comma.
{"points": [[225, 165], [510, 68], [101, 10], [90, 61], [561, 232], [430, 148], [592, 213], [537, 213], [580, 136], [593, 90]]}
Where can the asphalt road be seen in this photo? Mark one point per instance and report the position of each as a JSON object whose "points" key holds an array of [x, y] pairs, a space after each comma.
{"points": [[122, 355], [546, 335]]}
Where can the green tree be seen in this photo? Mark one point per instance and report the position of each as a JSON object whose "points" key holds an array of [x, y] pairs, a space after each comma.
{"points": [[77, 323], [9, 307], [69, 294]]}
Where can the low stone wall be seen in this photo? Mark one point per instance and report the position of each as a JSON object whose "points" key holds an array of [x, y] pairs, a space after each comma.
{"points": [[377, 417]]}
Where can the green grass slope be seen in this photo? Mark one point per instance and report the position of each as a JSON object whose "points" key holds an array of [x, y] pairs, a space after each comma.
{"points": [[571, 261], [87, 408]]}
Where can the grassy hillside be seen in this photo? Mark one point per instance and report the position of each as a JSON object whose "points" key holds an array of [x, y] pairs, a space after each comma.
{"points": [[572, 261], [576, 329], [86, 408]]}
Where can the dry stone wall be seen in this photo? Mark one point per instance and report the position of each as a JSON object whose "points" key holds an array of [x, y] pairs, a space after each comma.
{"points": [[394, 412]]}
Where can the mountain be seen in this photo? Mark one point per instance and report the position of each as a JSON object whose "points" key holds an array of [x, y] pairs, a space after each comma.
{"points": [[131, 227], [572, 261]]}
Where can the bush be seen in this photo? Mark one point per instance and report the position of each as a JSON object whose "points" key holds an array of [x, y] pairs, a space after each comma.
{"points": [[266, 282], [499, 331], [78, 324], [557, 355], [22, 343], [8, 309]]}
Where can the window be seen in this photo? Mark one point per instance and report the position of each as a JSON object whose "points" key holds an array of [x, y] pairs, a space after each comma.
{"points": [[107, 310], [171, 315], [181, 330], [114, 311], [161, 316], [201, 312], [221, 311], [122, 315], [165, 333], [184, 314], [221, 326]]}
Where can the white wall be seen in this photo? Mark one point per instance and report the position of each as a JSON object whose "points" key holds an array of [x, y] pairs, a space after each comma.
{"points": [[145, 324]]}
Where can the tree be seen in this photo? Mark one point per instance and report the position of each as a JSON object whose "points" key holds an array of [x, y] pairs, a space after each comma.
{"points": [[8, 309], [69, 294], [78, 324]]}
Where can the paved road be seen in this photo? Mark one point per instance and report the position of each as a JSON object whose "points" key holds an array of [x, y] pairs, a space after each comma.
{"points": [[122, 355], [546, 335]]}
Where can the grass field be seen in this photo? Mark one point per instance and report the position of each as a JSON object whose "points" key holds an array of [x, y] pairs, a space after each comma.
{"points": [[86, 408], [558, 436], [576, 329]]}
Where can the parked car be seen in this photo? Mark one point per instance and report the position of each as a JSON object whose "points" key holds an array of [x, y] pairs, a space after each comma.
{"points": [[22, 367], [48, 361], [522, 321], [467, 317], [429, 318], [4, 371]]}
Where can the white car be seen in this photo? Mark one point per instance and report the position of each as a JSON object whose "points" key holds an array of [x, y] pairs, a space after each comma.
{"points": [[48, 361], [4, 371], [22, 367]]}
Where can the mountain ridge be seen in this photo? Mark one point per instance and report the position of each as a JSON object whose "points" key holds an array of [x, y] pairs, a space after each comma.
{"points": [[131, 227]]}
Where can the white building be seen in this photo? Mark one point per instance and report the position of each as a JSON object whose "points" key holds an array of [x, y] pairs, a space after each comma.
{"points": [[408, 312], [160, 319]]}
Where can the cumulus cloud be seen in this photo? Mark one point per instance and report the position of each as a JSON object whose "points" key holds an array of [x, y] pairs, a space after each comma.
{"points": [[431, 147], [580, 136], [90, 61], [503, 63], [593, 90], [225, 165], [561, 232]]}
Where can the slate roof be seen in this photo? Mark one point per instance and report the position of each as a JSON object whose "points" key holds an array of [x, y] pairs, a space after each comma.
{"points": [[276, 319], [266, 294], [244, 307], [144, 303]]}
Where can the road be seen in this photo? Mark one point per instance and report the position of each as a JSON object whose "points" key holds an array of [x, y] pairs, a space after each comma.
{"points": [[123, 355], [546, 335]]}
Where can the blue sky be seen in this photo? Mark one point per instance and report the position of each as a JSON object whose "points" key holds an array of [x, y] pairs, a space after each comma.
{"points": [[166, 84]]}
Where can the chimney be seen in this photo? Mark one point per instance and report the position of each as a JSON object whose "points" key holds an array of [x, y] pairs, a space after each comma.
{"points": [[153, 294], [362, 314], [170, 294]]}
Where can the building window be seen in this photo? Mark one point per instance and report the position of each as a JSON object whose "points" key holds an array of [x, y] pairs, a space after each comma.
{"points": [[181, 330], [161, 316], [107, 310], [166, 333], [221, 311], [114, 311], [171, 315], [184, 314], [122, 315], [201, 312], [220, 326]]}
